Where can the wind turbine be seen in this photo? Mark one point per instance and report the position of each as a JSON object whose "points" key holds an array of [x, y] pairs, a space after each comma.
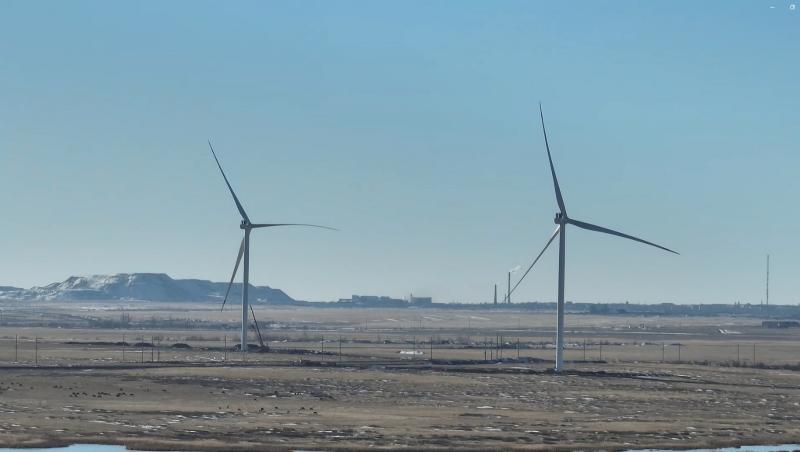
{"points": [[562, 220], [244, 251]]}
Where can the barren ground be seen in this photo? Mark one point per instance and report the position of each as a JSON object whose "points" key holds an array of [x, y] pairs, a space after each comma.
{"points": [[376, 399]]}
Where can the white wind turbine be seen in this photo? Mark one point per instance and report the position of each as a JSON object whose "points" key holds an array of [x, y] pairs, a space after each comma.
{"points": [[562, 220], [244, 251]]}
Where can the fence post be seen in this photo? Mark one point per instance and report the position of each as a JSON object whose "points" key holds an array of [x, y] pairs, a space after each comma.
{"points": [[123, 348], [322, 341], [663, 352], [16, 348], [584, 349], [36, 351], [431, 348], [152, 348], [754, 354], [141, 347], [340, 349], [499, 346], [679, 352], [601, 352], [225, 348], [517, 349], [738, 360]]}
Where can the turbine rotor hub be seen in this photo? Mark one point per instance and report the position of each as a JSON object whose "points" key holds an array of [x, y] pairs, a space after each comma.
{"points": [[244, 225], [560, 219]]}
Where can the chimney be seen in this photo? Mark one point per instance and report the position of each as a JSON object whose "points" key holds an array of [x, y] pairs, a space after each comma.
{"points": [[508, 300]]}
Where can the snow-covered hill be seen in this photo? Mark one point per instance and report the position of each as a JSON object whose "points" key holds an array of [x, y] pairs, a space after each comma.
{"points": [[142, 286], [8, 292]]}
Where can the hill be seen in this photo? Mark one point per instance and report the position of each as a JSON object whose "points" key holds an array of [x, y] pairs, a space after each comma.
{"points": [[142, 286]]}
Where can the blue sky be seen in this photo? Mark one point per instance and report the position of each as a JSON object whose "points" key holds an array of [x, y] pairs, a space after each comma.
{"points": [[412, 126]]}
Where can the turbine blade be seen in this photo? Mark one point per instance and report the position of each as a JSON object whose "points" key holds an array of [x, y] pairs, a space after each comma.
{"points": [[258, 330], [269, 225], [235, 199], [593, 227], [558, 229], [559, 198], [233, 276]]}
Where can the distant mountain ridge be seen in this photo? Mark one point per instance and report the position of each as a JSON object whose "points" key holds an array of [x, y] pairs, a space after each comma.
{"points": [[142, 286]]}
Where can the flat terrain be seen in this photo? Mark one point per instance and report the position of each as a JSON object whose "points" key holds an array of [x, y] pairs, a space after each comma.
{"points": [[380, 394], [466, 407]]}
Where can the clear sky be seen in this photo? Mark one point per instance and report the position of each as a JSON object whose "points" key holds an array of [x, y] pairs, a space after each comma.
{"points": [[412, 126]]}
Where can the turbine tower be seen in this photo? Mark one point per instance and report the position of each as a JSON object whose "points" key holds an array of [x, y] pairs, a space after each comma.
{"points": [[562, 220], [244, 252]]}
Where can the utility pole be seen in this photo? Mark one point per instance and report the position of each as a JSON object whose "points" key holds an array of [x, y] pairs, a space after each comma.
{"points": [[495, 294]]}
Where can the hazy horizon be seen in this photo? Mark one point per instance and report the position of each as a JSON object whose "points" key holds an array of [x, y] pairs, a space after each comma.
{"points": [[236, 296]]}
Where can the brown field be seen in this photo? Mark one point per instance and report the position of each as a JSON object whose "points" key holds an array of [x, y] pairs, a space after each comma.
{"points": [[632, 390]]}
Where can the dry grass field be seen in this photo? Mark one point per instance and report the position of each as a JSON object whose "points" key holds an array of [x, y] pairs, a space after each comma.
{"points": [[72, 384]]}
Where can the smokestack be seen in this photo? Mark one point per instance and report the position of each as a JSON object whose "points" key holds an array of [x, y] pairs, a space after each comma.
{"points": [[509, 288], [495, 294]]}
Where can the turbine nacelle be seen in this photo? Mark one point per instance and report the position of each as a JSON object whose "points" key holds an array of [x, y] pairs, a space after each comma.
{"points": [[561, 219]]}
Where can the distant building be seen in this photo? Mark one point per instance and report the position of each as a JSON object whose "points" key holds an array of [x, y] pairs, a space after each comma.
{"points": [[780, 324], [420, 301], [374, 301]]}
